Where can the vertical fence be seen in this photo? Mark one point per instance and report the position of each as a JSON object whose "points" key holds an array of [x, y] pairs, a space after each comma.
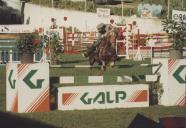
{"points": [[78, 40], [12, 55]]}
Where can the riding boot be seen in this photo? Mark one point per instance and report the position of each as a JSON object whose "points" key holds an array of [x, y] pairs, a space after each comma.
{"points": [[90, 50]]}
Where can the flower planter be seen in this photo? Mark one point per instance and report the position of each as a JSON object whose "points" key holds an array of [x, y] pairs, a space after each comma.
{"points": [[175, 54], [27, 58]]}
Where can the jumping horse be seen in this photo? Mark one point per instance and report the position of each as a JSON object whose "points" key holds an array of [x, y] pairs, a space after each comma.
{"points": [[104, 55]]}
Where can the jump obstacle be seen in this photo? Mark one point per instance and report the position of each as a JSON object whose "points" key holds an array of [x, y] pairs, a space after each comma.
{"points": [[34, 87], [127, 45]]}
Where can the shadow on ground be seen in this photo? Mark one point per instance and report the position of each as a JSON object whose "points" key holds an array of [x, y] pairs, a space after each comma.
{"points": [[8, 120]]}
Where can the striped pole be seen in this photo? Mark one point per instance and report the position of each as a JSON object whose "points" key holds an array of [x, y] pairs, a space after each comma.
{"points": [[97, 66]]}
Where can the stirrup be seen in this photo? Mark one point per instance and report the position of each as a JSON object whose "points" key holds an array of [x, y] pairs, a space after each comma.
{"points": [[84, 55]]}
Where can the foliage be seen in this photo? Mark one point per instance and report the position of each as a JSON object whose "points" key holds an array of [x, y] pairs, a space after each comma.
{"points": [[178, 32], [155, 92], [2, 3], [29, 43], [54, 45], [6, 14], [69, 29]]}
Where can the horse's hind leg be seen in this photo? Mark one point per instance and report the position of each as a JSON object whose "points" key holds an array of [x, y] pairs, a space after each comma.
{"points": [[90, 69], [103, 66], [101, 69]]}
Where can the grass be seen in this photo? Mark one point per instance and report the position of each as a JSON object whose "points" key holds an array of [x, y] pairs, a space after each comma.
{"points": [[109, 118], [2, 88], [129, 67]]}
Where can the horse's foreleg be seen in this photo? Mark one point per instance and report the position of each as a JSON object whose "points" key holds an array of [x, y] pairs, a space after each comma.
{"points": [[100, 73], [90, 70], [111, 65], [101, 70], [103, 65]]}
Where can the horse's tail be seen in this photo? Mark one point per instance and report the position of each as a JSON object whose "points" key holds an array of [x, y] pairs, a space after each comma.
{"points": [[118, 58]]}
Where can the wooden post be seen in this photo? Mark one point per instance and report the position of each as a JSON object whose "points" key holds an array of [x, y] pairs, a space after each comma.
{"points": [[152, 52], [168, 8], [52, 3], [85, 5], [122, 8], [182, 4], [65, 39], [139, 40]]}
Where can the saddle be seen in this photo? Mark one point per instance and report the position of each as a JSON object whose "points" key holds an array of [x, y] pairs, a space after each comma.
{"points": [[103, 47]]}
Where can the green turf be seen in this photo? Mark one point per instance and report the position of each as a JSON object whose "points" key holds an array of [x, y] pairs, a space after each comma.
{"points": [[110, 118], [2, 88], [129, 67]]}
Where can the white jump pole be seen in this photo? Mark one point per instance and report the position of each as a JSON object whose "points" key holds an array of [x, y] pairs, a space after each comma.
{"points": [[11, 55]]}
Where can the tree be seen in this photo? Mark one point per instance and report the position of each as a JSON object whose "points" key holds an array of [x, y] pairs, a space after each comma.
{"points": [[2, 3], [178, 32]]}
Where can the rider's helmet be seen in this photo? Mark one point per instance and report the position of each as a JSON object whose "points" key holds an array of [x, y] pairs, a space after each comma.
{"points": [[101, 28]]}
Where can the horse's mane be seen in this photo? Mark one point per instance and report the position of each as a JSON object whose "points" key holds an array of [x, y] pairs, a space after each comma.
{"points": [[105, 42]]}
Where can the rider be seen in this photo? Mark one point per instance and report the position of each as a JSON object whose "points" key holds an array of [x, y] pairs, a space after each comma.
{"points": [[103, 30], [111, 34]]}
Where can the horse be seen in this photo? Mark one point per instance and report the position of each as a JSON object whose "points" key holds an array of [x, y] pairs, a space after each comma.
{"points": [[104, 54]]}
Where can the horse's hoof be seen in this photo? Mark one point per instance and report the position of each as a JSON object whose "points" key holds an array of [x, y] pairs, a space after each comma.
{"points": [[84, 55]]}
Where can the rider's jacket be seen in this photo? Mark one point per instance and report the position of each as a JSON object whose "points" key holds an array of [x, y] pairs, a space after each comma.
{"points": [[103, 31]]}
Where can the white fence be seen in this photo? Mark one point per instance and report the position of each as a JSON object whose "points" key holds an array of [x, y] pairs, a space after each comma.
{"points": [[84, 21]]}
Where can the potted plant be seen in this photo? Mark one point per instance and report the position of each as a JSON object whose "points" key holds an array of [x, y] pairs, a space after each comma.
{"points": [[155, 93], [28, 44], [177, 31]]}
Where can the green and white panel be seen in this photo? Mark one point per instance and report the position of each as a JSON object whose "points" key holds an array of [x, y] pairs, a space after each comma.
{"points": [[103, 97], [164, 100], [124, 78], [177, 82], [33, 87], [94, 79], [11, 87], [172, 77], [66, 79]]}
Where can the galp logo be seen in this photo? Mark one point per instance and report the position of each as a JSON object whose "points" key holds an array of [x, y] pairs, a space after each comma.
{"points": [[103, 97], [100, 97], [68, 98], [29, 82]]}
